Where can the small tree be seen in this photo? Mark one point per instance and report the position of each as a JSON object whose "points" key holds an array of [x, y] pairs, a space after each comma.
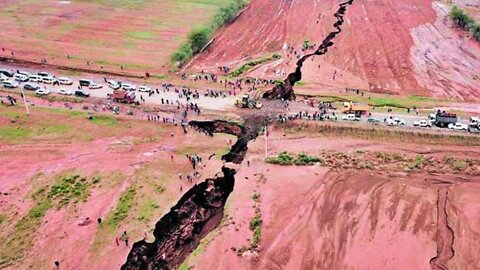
{"points": [[198, 38]]}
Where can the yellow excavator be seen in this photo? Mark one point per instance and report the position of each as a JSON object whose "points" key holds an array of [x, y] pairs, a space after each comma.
{"points": [[246, 102]]}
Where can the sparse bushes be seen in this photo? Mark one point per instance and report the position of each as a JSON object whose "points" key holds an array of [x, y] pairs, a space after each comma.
{"points": [[282, 159], [465, 22], [304, 159], [199, 36], [301, 159], [250, 64]]}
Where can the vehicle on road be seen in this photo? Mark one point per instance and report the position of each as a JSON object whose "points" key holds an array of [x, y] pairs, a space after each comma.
{"points": [[123, 96], [31, 86], [35, 78], [20, 77], [85, 82], [422, 123], [42, 92], [7, 72], [474, 120], [246, 102], [458, 126], [3, 78], [10, 84], [26, 73], [49, 80], [82, 93], [351, 117], [373, 121], [45, 74], [395, 122], [65, 81], [143, 88], [129, 87], [444, 119], [65, 92], [95, 86], [113, 84]]}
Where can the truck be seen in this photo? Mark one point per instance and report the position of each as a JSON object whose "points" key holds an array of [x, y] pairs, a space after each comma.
{"points": [[246, 102], [123, 96], [443, 119]]}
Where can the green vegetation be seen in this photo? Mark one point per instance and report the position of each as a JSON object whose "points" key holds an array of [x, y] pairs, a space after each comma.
{"points": [[140, 35], [301, 159], [255, 227], [459, 165], [199, 36], [69, 187], [282, 159], [121, 210], [250, 64], [417, 163], [66, 187], [465, 21], [14, 133], [106, 121], [306, 44]]}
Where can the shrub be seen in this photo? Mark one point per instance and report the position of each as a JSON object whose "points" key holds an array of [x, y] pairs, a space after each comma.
{"points": [[304, 159], [459, 165], [282, 159], [466, 22]]}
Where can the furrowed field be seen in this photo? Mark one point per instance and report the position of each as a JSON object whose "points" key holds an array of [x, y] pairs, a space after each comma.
{"points": [[139, 35]]}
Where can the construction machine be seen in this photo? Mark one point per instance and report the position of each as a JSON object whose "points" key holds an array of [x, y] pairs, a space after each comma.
{"points": [[246, 102]]}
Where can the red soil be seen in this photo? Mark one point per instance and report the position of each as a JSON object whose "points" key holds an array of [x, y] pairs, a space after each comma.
{"points": [[316, 218], [381, 48]]}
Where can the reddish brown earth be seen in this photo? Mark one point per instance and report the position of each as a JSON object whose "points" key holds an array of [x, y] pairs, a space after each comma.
{"points": [[317, 217], [405, 47]]}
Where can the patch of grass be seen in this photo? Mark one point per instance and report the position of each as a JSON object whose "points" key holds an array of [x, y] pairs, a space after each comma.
{"points": [[70, 187], [304, 159], [459, 165], [9, 133], [140, 35], [146, 210], [250, 64], [256, 197], [282, 159], [255, 226], [124, 205], [105, 121], [417, 163]]}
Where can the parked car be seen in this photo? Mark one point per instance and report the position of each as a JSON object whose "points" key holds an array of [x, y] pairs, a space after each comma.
{"points": [[458, 126], [65, 92], [26, 73], [143, 88], [95, 86], [10, 84], [20, 77], [113, 84], [31, 86], [81, 93], [84, 82], [128, 87], [45, 74], [65, 81], [474, 120], [7, 72], [373, 121], [49, 80], [42, 92], [35, 78], [395, 122], [351, 117], [425, 123], [3, 78]]}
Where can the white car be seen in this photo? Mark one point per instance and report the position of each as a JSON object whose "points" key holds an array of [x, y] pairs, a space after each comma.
{"points": [[351, 117], [143, 88], [95, 86], [36, 78], [10, 84], [42, 92], [425, 123], [26, 73], [129, 87], [3, 77], [395, 122], [65, 92], [45, 74], [113, 84], [65, 81], [458, 126], [49, 80], [20, 77], [31, 86]]}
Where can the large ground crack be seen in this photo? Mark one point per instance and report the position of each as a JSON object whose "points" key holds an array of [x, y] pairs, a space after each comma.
{"points": [[285, 90], [199, 211], [445, 234]]}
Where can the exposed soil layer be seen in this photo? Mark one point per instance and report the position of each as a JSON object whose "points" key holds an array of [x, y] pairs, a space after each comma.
{"points": [[285, 90], [178, 233], [198, 212]]}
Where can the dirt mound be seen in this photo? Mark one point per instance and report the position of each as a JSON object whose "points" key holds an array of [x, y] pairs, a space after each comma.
{"points": [[385, 47]]}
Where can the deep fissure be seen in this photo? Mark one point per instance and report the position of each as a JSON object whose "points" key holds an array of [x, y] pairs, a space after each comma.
{"points": [[445, 235], [285, 90], [199, 210]]}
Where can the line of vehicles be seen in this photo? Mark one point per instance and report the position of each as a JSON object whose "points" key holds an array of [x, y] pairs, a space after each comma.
{"points": [[122, 92], [439, 119]]}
